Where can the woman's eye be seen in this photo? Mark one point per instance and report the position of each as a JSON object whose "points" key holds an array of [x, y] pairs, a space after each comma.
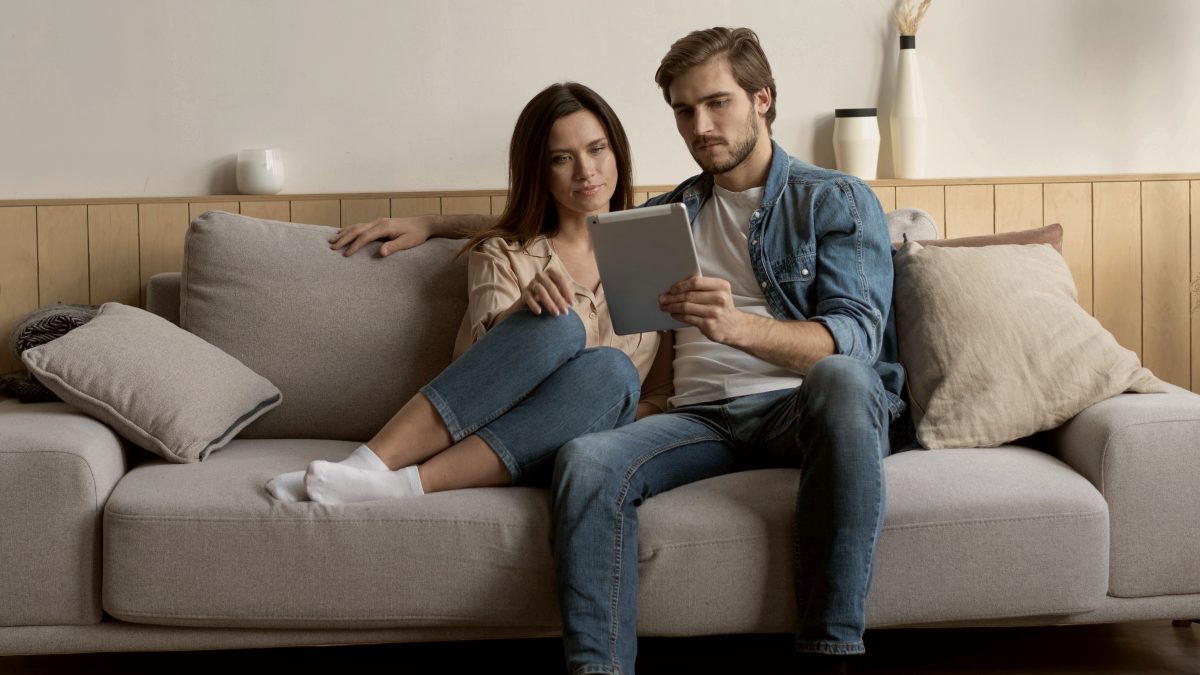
{"points": [[560, 159], [599, 149]]}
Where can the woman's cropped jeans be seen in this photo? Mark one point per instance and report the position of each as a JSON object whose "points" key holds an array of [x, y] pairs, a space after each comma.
{"points": [[529, 385], [834, 428]]}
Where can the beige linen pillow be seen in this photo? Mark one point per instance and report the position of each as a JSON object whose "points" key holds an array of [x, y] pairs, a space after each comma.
{"points": [[157, 385], [996, 346]]}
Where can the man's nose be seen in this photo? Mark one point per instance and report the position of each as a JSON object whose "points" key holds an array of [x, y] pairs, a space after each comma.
{"points": [[701, 123]]}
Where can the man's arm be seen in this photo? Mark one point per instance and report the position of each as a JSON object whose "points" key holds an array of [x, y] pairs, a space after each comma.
{"points": [[706, 303], [408, 232], [853, 290]]}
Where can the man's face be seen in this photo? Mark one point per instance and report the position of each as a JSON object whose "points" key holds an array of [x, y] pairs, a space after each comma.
{"points": [[720, 123]]}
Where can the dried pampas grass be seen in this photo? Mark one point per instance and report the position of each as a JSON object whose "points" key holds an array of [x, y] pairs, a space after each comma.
{"points": [[908, 21]]}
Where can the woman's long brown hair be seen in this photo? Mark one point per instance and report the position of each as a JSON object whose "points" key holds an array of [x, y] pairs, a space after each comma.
{"points": [[531, 210]]}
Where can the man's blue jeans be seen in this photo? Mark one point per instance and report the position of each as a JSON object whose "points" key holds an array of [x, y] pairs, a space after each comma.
{"points": [[834, 428], [529, 385]]}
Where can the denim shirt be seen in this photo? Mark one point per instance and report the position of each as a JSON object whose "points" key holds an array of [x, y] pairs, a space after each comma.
{"points": [[821, 251]]}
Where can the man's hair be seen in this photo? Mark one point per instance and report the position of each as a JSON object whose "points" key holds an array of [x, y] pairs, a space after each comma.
{"points": [[739, 46], [531, 209]]}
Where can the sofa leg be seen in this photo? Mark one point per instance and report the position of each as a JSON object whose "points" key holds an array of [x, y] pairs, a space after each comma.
{"points": [[1184, 623]]}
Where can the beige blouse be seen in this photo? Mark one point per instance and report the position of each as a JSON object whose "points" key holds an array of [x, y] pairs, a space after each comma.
{"points": [[498, 270]]}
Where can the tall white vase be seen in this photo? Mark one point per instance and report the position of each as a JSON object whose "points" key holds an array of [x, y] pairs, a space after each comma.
{"points": [[909, 120]]}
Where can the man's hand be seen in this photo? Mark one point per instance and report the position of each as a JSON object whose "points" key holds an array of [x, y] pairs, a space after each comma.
{"points": [[707, 304], [402, 233], [549, 290]]}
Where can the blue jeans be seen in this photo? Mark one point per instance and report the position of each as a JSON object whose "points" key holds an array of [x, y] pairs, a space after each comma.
{"points": [[529, 385], [834, 428]]}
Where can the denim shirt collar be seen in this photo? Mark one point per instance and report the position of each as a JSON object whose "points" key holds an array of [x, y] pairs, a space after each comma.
{"points": [[701, 186]]}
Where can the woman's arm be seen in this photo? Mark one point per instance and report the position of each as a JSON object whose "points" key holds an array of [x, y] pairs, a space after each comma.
{"points": [[660, 381], [408, 232]]}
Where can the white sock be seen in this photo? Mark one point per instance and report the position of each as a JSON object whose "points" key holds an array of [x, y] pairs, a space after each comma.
{"points": [[289, 487], [330, 483]]}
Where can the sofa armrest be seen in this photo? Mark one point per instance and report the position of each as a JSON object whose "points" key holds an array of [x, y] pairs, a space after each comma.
{"points": [[162, 295], [57, 469], [1142, 452]]}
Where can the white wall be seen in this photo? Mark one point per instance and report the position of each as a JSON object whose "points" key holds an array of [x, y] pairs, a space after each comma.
{"points": [[131, 98]]}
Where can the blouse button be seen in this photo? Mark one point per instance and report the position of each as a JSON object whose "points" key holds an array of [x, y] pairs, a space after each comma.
{"points": [[593, 315]]}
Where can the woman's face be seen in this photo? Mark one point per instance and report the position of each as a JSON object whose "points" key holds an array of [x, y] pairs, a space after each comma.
{"points": [[583, 168]]}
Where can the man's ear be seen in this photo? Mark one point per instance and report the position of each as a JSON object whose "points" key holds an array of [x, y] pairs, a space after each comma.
{"points": [[762, 100]]}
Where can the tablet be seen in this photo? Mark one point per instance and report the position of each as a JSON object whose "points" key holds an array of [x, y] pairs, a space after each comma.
{"points": [[641, 253]]}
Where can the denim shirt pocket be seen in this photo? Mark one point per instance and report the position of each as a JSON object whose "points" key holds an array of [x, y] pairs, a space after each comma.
{"points": [[795, 275]]}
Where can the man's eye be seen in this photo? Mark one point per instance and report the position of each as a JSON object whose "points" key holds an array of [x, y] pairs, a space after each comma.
{"points": [[720, 103]]}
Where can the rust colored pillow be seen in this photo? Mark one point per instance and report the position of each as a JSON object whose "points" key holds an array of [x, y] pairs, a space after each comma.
{"points": [[1050, 234]]}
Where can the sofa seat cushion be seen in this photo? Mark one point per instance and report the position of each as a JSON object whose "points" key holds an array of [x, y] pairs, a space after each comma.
{"points": [[969, 534]]}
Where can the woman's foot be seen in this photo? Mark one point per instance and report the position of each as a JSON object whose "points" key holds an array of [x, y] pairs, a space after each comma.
{"points": [[289, 487], [336, 483]]}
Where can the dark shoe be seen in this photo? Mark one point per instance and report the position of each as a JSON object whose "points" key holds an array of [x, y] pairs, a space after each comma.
{"points": [[809, 663]]}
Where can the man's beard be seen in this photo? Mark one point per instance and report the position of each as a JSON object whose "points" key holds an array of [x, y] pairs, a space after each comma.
{"points": [[739, 152]]}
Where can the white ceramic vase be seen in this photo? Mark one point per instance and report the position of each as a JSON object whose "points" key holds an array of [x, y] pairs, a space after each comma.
{"points": [[856, 141], [909, 120], [260, 171]]}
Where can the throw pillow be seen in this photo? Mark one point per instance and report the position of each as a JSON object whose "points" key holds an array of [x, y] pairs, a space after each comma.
{"points": [[157, 385], [996, 346]]}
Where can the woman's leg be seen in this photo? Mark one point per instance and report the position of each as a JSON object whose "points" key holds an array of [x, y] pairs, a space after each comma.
{"points": [[493, 375], [595, 391]]}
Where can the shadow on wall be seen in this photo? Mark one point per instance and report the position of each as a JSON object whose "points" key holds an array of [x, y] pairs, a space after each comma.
{"points": [[222, 177]]}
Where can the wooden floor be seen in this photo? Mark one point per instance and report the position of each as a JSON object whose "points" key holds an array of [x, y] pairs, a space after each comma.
{"points": [[1139, 648]]}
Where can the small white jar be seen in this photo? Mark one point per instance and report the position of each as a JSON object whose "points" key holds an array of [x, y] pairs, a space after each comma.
{"points": [[856, 141], [260, 171]]}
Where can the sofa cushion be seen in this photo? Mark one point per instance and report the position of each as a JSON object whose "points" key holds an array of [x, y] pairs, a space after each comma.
{"points": [[346, 339], [158, 386], [996, 346], [969, 534]]}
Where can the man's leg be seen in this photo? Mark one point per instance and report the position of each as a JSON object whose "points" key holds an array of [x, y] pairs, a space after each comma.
{"points": [[599, 480], [837, 424]]}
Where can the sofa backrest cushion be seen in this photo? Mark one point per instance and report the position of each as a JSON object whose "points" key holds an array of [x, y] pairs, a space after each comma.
{"points": [[346, 339]]}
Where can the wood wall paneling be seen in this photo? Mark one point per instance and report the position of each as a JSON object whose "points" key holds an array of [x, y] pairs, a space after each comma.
{"points": [[1070, 205], [196, 208], [317, 212], [970, 210], [1117, 260], [887, 197], [1195, 284], [115, 264], [928, 198], [1018, 207], [268, 209], [416, 206], [18, 274], [1166, 261], [62, 255], [355, 211], [161, 229], [498, 204], [640, 198], [469, 205]]}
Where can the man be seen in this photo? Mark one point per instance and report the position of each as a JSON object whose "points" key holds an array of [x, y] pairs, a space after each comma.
{"points": [[789, 359]]}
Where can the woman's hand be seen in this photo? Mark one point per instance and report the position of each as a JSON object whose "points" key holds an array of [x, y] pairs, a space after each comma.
{"points": [[402, 233], [550, 290]]}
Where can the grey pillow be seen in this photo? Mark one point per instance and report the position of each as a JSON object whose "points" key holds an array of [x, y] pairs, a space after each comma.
{"points": [[157, 385], [346, 339]]}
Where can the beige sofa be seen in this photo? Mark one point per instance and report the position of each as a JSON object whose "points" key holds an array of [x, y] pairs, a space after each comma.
{"points": [[105, 547]]}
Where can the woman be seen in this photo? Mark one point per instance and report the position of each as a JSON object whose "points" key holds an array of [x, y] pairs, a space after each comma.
{"points": [[537, 363]]}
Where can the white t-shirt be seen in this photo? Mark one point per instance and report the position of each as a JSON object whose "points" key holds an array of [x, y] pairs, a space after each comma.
{"points": [[706, 370]]}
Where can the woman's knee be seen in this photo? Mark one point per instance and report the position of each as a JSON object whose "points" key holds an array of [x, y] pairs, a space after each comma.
{"points": [[566, 331], [609, 370]]}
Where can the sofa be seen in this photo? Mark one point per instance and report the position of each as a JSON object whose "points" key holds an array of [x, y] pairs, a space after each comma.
{"points": [[106, 547]]}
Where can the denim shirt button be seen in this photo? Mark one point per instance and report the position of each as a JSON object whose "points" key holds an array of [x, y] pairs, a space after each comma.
{"points": [[754, 242], [804, 272], [764, 284]]}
